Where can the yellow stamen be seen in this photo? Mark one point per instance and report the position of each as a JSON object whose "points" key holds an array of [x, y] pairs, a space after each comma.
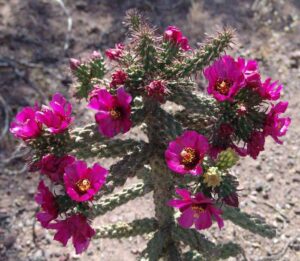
{"points": [[115, 114], [223, 86], [197, 211], [83, 185], [188, 155]]}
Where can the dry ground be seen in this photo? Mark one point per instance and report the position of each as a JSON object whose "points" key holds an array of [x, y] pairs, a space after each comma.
{"points": [[35, 45]]}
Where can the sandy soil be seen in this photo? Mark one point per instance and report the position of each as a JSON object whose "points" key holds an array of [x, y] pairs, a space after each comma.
{"points": [[34, 51]]}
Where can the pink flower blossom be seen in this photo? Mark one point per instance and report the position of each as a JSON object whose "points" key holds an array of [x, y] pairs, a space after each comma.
{"points": [[186, 153], [225, 78], [255, 144], [275, 126], [270, 90], [115, 53], [174, 35], [76, 227], [54, 167], [25, 125], [81, 182], [49, 207], [157, 90], [57, 117], [250, 71], [74, 64], [198, 210], [113, 114], [118, 77]]}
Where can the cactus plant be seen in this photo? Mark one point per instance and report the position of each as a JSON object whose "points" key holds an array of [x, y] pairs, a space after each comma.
{"points": [[189, 151]]}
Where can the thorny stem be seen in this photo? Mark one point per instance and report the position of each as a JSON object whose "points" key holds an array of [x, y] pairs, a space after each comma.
{"points": [[162, 180]]}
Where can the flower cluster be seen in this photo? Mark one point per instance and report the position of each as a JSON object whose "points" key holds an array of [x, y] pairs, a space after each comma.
{"points": [[80, 184], [247, 115], [32, 121], [248, 112], [189, 155]]}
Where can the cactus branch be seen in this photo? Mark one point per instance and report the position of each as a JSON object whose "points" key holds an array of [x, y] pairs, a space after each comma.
{"points": [[204, 56], [129, 165], [154, 248], [121, 229], [120, 198], [256, 225], [208, 250]]}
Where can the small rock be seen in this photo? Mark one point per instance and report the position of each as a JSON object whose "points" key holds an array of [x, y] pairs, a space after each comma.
{"points": [[297, 211], [265, 195], [38, 255], [9, 241], [259, 187], [270, 177], [296, 179]]}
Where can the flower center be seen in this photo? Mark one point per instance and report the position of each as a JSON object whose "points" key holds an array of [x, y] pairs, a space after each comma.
{"points": [[197, 211], [83, 185], [223, 86], [189, 157], [115, 113]]}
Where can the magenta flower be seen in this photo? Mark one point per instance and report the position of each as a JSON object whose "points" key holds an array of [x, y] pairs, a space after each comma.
{"points": [[25, 125], [76, 227], [115, 53], [270, 90], [54, 167], [157, 90], [250, 71], [47, 201], [225, 78], [186, 153], [275, 126], [57, 117], [198, 210], [118, 77], [255, 144], [81, 182], [174, 35], [113, 114]]}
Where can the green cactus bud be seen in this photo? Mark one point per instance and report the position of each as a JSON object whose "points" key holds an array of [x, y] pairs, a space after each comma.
{"points": [[227, 159]]}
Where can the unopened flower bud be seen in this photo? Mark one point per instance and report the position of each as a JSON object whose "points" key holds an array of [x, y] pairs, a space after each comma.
{"points": [[157, 90], [96, 55], [232, 200], [118, 77], [227, 159], [74, 64]]}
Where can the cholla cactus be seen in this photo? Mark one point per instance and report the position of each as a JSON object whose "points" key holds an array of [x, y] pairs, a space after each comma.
{"points": [[188, 155]]}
